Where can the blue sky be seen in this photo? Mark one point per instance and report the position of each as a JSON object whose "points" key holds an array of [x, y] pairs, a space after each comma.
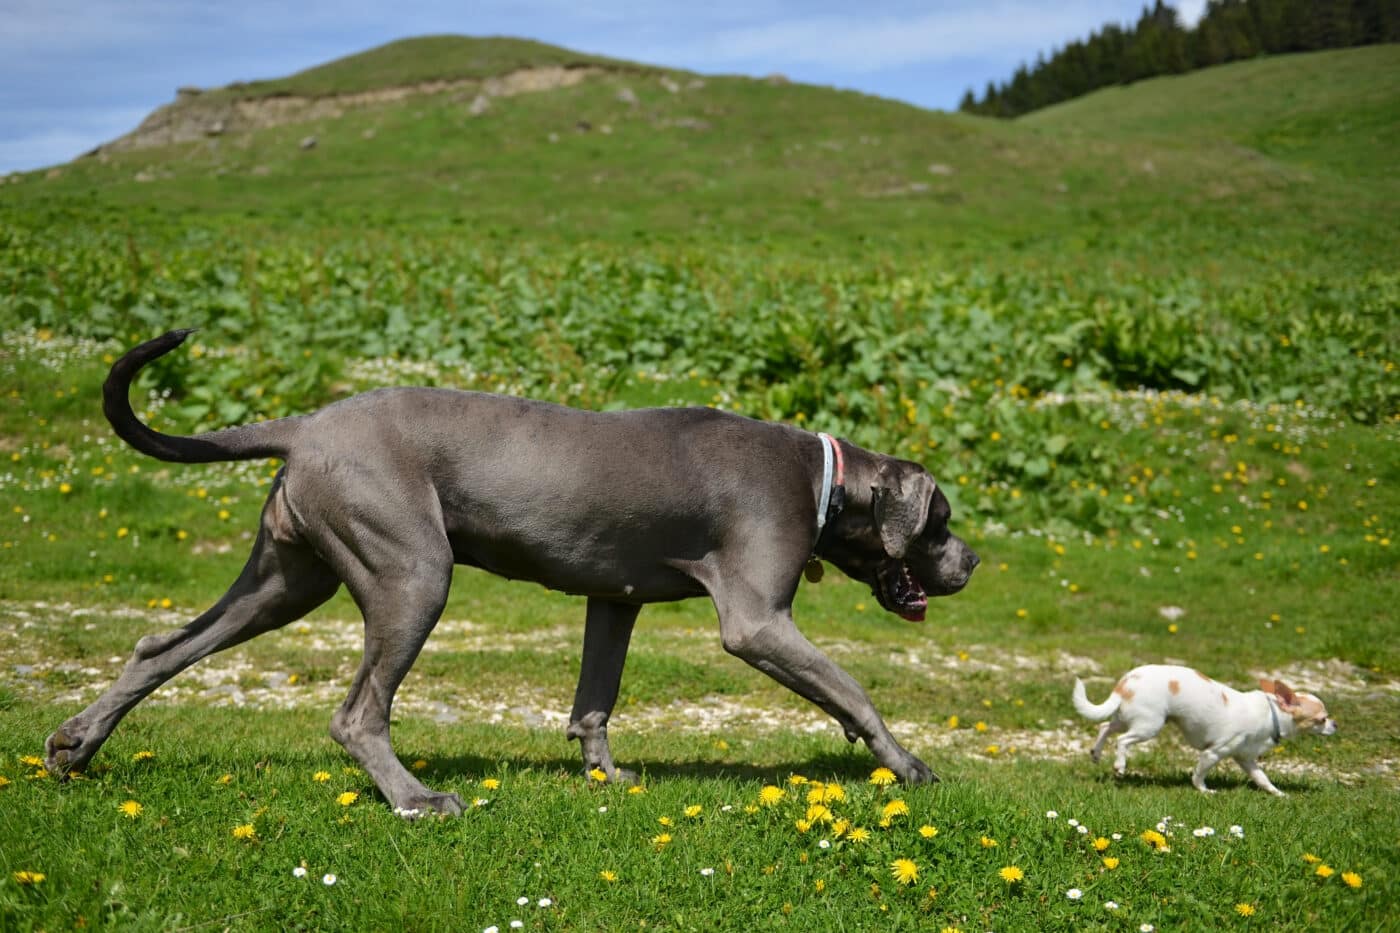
{"points": [[75, 73]]}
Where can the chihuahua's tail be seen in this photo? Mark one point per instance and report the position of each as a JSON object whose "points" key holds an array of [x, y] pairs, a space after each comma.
{"points": [[1094, 711], [246, 442]]}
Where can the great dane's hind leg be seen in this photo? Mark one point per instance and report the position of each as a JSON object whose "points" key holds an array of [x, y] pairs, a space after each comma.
{"points": [[280, 583], [401, 598], [606, 634], [767, 639]]}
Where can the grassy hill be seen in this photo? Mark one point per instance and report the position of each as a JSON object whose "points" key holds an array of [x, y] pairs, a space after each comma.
{"points": [[425, 58], [636, 153]]}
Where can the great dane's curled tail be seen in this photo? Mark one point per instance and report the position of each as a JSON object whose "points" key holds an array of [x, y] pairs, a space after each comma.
{"points": [[247, 442]]}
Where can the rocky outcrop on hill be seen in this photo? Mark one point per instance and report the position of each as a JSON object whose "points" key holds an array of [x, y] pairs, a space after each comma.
{"points": [[196, 114]]}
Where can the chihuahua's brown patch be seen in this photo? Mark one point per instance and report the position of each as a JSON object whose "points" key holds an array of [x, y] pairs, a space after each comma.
{"points": [[1174, 686], [1224, 698], [1123, 690], [1202, 676]]}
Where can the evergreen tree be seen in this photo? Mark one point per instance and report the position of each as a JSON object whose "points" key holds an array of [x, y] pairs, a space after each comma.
{"points": [[1229, 30]]}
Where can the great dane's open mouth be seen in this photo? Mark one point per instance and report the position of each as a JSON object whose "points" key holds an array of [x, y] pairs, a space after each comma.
{"points": [[900, 592]]}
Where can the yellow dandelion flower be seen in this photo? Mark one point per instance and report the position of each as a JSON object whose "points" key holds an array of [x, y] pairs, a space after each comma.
{"points": [[1155, 839], [1101, 843], [928, 832], [143, 756], [347, 798], [980, 726], [894, 808], [819, 813], [802, 826], [988, 842], [1352, 879], [665, 820], [859, 834], [491, 783], [952, 722], [814, 795], [418, 765], [1244, 910], [905, 871], [693, 810], [321, 777], [29, 877], [1011, 874], [661, 839], [1310, 858], [771, 796], [608, 876], [797, 780], [130, 809], [1325, 871], [839, 828], [1110, 863], [4, 781], [225, 779], [882, 777], [598, 774], [833, 793], [244, 831], [819, 885], [636, 789], [34, 761]]}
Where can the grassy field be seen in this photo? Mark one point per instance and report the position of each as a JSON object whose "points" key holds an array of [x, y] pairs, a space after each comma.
{"points": [[1163, 403]]}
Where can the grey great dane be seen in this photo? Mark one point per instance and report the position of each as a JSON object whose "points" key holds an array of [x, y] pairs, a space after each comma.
{"points": [[386, 491]]}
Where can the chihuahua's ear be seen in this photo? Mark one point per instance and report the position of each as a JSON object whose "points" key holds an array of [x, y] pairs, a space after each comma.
{"points": [[1278, 688]]}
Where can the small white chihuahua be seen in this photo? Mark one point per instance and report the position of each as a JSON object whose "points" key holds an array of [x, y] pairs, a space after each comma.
{"points": [[1221, 722]]}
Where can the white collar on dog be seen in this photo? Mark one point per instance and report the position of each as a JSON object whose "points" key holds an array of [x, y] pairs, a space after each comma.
{"points": [[827, 462], [831, 457]]}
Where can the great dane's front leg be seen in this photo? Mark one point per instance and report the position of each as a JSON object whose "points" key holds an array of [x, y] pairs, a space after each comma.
{"points": [[768, 640], [607, 632]]}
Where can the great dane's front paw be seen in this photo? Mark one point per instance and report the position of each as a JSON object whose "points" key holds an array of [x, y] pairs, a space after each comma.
{"points": [[67, 750], [915, 771], [426, 804]]}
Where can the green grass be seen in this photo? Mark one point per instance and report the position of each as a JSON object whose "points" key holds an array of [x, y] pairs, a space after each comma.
{"points": [[77, 593], [1146, 342], [738, 162]]}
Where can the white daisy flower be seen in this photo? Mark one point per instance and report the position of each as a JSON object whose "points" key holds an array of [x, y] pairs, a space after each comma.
{"points": [[1071, 821], [521, 901], [1051, 815], [824, 844], [517, 924], [1110, 905], [328, 879], [1237, 831], [1074, 894], [707, 872], [299, 872], [545, 902]]}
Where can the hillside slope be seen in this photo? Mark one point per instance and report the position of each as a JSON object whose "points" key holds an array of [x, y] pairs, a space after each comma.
{"points": [[629, 151]]}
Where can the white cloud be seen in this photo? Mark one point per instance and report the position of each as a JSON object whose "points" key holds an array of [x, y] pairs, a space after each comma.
{"points": [[863, 43]]}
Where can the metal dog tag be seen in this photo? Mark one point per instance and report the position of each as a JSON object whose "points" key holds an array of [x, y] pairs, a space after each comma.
{"points": [[814, 571]]}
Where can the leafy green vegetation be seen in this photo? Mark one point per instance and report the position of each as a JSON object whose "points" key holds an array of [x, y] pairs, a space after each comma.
{"points": [[1163, 401]]}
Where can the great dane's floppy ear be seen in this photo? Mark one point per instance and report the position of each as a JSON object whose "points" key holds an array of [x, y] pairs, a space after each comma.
{"points": [[899, 504]]}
